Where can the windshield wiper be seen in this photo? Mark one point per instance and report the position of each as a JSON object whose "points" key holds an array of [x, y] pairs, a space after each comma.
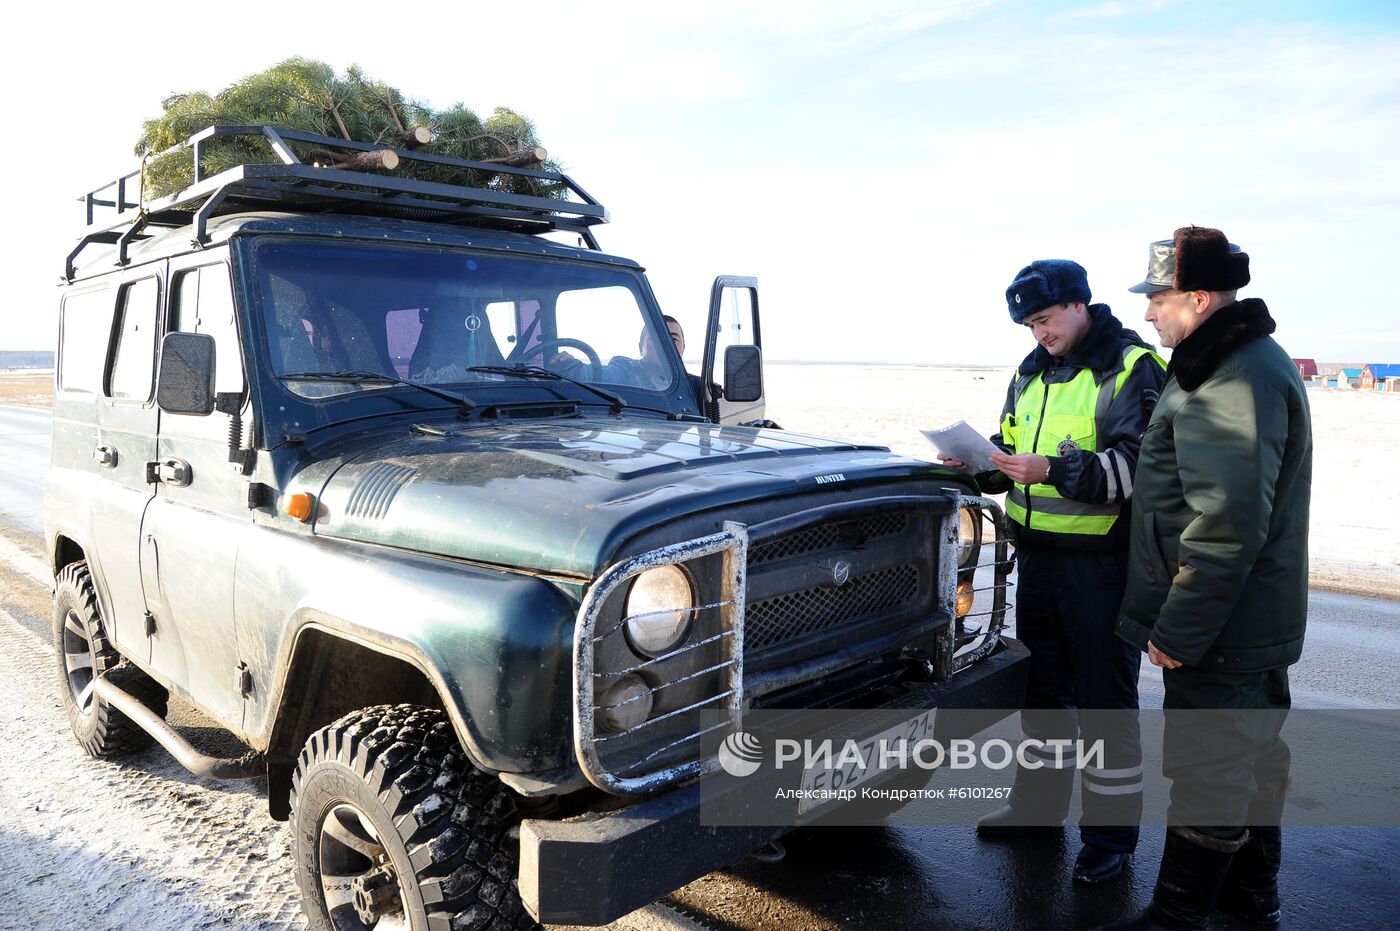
{"points": [[534, 371], [464, 404]]}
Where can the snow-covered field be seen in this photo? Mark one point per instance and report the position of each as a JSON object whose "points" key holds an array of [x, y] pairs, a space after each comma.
{"points": [[1356, 436]]}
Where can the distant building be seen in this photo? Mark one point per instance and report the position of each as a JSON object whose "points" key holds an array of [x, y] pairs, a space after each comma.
{"points": [[1327, 372], [1349, 378], [1307, 368], [1375, 375]]}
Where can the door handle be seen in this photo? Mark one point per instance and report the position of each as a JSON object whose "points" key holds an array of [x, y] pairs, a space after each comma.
{"points": [[175, 472], [105, 456]]}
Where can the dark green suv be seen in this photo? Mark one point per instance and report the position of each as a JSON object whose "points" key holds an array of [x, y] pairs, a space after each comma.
{"points": [[418, 501]]}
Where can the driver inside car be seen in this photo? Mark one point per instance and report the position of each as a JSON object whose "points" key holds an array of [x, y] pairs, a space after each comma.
{"points": [[649, 371]]}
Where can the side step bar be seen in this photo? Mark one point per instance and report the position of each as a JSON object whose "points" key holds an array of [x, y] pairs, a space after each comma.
{"points": [[248, 766]]}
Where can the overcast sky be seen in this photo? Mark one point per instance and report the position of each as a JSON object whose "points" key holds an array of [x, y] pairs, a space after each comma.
{"points": [[884, 168]]}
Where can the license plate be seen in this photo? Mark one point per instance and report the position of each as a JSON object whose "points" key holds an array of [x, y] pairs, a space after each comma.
{"points": [[823, 784]]}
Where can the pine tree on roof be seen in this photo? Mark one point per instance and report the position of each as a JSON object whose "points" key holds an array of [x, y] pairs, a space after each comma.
{"points": [[307, 95]]}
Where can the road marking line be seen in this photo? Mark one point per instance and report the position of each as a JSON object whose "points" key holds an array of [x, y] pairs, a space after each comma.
{"points": [[25, 564]]}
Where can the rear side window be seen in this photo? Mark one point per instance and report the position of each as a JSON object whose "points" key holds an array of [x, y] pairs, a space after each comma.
{"points": [[84, 326], [134, 355]]}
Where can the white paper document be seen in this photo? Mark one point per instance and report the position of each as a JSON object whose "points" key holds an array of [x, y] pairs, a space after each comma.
{"points": [[961, 442]]}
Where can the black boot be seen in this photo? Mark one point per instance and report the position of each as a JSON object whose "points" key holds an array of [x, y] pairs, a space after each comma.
{"points": [[1009, 821], [1193, 871], [1096, 865], [1251, 889], [1039, 804]]}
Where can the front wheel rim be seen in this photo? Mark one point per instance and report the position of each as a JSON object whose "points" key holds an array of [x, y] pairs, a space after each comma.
{"points": [[360, 884]]}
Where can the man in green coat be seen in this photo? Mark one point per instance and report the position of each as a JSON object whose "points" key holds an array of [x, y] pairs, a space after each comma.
{"points": [[1218, 577]]}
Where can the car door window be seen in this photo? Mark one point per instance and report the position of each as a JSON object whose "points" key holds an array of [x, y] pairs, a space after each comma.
{"points": [[203, 303], [132, 372]]}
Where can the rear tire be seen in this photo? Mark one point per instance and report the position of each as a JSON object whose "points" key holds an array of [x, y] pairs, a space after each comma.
{"points": [[394, 828], [84, 653]]}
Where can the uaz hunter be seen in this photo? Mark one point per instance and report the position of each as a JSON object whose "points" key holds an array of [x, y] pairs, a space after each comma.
{"points": [[402, 483]]}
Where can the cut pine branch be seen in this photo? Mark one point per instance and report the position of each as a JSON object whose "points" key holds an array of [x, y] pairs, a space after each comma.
{"points": [[413, 138], [333, 106], [376, 160], [521, 158]]}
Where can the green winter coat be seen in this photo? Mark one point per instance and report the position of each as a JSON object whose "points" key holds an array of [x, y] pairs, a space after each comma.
{"points": [[1218, 560]]}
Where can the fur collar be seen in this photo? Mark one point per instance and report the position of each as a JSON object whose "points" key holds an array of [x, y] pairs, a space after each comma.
{"points": [[1226, 330], [1100, 350]]}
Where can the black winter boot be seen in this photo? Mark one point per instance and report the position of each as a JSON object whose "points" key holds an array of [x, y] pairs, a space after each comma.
{"points": [[1007, 821], [1039, 804], [1193, 871], [1251, 888]]}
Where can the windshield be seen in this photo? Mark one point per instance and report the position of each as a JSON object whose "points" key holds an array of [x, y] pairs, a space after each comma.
{"points": [[437, 317]]}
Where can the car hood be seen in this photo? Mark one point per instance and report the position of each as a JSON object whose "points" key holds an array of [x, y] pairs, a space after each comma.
{"points": [[562, 496]]}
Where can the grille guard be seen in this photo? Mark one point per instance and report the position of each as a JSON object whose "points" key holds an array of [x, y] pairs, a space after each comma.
{"points": [[988, 511], [733, 543]]}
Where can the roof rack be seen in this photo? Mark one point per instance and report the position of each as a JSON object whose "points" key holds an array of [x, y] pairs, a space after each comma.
{"points": [[114, 217]]}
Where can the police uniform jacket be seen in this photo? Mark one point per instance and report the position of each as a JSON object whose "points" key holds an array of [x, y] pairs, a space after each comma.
{"points": [[1093, 469], [1218, 566]]}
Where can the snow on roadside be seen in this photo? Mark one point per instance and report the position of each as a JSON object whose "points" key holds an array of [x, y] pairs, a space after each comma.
{"points": [[132, 844]]}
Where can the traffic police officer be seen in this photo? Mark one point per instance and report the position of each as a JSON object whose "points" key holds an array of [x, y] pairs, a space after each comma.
{"points": [[1074, 417]]}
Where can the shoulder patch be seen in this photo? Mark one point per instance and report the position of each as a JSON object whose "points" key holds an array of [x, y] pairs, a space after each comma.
{"points": [[1150, 397]]}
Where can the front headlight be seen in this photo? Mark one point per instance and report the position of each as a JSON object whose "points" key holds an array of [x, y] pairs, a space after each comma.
{"points": [[969, 536], [626, 703], [658, 610]]}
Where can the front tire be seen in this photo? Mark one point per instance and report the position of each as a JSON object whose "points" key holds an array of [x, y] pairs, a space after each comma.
{"points": [[84, 653], [393, 828]]}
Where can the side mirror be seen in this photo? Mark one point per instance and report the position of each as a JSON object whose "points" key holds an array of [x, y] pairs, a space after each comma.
{"points": [[743, 373], [185, 384]]}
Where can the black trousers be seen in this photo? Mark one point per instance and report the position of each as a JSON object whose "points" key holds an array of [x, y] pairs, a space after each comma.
{"points": [[1222, 747], [1066, 608]]}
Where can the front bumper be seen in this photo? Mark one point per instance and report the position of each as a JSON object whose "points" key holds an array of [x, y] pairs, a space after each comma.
{"points": [[593, 869]]}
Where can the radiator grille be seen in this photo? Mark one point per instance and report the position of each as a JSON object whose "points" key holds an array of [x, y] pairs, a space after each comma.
{"points": [[829, 536], [810, 611]]}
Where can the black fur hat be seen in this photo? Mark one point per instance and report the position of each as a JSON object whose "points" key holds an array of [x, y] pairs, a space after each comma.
{"points": [[1207, 261], [1196, 258], [1046, 282]]}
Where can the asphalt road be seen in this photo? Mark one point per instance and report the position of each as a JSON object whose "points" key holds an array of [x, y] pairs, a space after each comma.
{"points": [[24, 458], [878, 877]]}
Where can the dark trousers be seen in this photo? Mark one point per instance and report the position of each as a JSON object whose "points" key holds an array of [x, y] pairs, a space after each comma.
{"points": [[1066, 608], [1222, 747]]}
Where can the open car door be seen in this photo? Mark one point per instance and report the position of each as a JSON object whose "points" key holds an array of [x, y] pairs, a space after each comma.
{"points": [[732, 372]]}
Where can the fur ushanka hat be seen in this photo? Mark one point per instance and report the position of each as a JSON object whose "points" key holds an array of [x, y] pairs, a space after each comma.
{"points": [[1044, 283], [1196, 258]]}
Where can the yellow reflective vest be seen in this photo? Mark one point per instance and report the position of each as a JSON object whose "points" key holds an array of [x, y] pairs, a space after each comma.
{"points": [[1068, 414]]}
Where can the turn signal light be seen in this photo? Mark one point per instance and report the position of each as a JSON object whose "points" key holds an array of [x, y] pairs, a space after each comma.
{"points": [[965, 596], [300, 505]]}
